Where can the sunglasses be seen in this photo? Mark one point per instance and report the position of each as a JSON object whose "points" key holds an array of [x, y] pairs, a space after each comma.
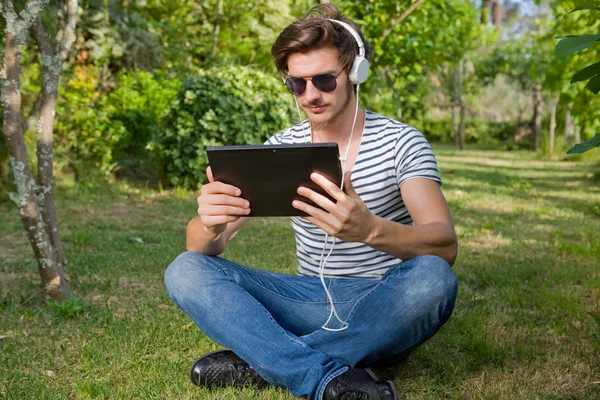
{"points": [[323, 82]]}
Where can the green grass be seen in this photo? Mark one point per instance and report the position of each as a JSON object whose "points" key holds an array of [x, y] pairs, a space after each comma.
{"points": [[528, 266]]}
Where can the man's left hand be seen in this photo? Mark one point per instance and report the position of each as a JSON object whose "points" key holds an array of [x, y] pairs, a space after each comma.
{"points": [[348, 218]]}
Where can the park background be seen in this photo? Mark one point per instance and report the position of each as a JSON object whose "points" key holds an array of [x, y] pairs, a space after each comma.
{"points": [[145, 85]]}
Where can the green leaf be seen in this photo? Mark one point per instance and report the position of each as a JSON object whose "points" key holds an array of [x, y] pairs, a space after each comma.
{"points": [[594, 85], [586, 73], [585, 146], [572, 44], [586, 5]]}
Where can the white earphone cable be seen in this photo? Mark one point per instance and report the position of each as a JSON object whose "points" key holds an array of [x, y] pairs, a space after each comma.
{"points": [[323, 261]]}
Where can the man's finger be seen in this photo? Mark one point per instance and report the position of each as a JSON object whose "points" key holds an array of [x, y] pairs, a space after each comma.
{"points": [[220, 188], [330, 187], [209, 174], [222, 210], [317, 213], [222, 200], [348, 187], [316, 198]]}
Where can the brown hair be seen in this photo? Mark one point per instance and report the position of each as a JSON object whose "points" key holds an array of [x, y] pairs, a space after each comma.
{"points": [[315, 32]]}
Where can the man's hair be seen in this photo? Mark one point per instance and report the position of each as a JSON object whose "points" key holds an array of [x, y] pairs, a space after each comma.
{"points": [[314, 32]]}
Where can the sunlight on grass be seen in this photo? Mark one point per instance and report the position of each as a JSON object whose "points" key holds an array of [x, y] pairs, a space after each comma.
{"points": [[528, 266]]}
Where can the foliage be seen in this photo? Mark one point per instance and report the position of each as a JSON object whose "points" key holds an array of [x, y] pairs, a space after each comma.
{"points": [[140, 102], [220, 106], [119, 34], [585, 146], [85, 132], [571, 44], [109, 131], [477, 131], [408, 53]]}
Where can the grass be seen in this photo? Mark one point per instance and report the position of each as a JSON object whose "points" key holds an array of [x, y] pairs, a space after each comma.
{"points": [[529, 272]]}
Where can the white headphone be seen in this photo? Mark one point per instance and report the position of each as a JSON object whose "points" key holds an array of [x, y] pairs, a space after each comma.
{"points": [[360, 68]]}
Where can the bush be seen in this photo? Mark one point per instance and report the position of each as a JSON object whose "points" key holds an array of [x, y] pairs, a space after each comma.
{"points": [[108, 131], [477, 131], [141, 102], [220, 106], [85, 132]]}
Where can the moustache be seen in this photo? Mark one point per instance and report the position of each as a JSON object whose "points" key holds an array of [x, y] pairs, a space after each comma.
{"points": [[314, 104]]}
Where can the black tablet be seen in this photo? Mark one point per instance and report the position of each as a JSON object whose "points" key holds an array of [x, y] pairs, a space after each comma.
{"points": [[269, 175]]}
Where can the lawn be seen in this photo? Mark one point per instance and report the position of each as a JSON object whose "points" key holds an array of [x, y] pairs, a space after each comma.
{"points": [[528, 266]]}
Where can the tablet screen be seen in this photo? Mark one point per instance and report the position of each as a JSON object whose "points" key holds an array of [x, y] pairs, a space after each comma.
{"points": [[269, 175]]}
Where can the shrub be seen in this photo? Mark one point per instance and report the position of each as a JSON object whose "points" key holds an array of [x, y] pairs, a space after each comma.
{"points": [[106, 131], [85, 133], [220, 106], [477, 131], [141, 102]]}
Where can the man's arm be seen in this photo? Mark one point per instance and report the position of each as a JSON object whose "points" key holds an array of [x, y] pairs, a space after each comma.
{"points": [[433, 230], [350, 220], [221, 213], [200, 239]]}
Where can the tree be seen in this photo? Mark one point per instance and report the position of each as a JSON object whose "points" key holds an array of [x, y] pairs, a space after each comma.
{"points": [[577, 43], [36, 199]]}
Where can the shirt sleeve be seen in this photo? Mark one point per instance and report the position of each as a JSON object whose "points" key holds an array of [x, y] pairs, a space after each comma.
{"points": [[275, 139], [414, 157]]}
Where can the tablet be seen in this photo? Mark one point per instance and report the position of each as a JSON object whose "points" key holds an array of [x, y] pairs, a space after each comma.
{"points": [[269, 175]]}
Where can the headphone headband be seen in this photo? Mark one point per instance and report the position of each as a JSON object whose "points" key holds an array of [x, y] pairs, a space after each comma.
{"points": [[359, 42], [360, 68]]}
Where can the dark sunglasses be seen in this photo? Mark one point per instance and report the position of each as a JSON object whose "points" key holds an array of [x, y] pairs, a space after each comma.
{"points": [[323, 82]]}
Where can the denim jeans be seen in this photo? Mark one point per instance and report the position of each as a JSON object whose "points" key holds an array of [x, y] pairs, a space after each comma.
{"points": [[273, 321]]}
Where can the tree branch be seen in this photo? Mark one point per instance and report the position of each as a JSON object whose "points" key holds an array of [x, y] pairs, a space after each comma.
{"points": [[68, 36], [396, 21]]}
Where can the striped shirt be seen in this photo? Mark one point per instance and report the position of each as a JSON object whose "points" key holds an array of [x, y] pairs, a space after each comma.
{"points": [[390, 153]]}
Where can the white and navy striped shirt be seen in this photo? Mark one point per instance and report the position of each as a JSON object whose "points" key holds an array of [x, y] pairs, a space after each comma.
{"points": [[390, 153]]}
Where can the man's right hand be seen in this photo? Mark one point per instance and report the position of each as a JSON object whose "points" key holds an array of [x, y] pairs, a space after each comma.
{"points": [[220, 204]]}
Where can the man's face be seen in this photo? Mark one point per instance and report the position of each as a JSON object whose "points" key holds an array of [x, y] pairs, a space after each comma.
{"points": [[321, 107]]}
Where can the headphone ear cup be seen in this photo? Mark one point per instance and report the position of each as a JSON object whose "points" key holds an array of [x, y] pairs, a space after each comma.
{"points": [[360, 70]]}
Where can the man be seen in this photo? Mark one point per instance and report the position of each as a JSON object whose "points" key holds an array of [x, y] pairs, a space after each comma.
{"points": [[388, 277]]}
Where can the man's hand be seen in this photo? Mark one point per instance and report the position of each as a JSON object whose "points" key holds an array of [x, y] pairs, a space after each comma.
{"points": [[220, 204], [348, 219]]}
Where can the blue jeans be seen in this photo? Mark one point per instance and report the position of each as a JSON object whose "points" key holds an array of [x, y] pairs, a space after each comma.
{"points": [[273, 321]]}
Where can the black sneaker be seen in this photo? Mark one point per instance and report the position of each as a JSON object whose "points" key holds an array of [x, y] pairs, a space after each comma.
{"points": [[359, 384], [224, 368]]}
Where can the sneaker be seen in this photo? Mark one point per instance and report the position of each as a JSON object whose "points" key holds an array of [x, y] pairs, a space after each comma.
{"points": [[359, 384], [224, 368]]}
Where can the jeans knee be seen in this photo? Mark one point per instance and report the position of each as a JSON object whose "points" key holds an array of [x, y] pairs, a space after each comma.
{"points": [[183, 273], [434, 282]]}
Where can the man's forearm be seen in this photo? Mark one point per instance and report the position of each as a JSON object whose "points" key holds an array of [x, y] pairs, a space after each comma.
{"points": [[202, 240], [406, 241]]}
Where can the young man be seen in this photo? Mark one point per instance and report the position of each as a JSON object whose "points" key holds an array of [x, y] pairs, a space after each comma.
{"points": [[388, 277]]}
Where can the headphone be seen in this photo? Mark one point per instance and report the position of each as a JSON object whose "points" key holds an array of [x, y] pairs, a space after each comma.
{"points": [[360, 68]]}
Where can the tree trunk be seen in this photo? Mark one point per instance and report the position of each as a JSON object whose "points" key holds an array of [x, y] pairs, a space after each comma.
{"points": [[537, 116], [496, 14], [485, 12], [455, 103], [53, 280], [36, 200], [455, 136], [462, 144], [217, 29], [459, 138], [569, 126], [552, 129]]}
